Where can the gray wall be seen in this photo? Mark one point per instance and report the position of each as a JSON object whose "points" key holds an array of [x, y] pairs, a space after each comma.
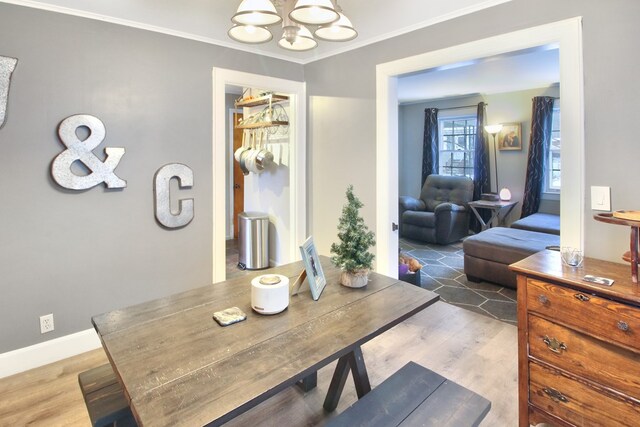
{"points": [[508, 107], [80, 253], [610, 33], [76, 254]]}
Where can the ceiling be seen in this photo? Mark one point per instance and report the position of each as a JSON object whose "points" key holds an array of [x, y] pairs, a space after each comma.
{"points": [[209, 20], [517, 71], [375, 20]]}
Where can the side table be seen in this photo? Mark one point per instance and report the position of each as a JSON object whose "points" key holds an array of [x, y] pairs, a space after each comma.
{"points": [[495, 207]]}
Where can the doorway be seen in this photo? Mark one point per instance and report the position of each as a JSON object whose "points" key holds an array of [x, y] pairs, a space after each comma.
{"points": [[296, 197], [568, 36], [237, 189]]}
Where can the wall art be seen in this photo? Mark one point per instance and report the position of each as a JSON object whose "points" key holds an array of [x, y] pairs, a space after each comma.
{"points": [[162, 196], [81, 150], [7, 65]]}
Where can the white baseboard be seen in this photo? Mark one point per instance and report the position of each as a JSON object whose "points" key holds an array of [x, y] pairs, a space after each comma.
{"points": [[23, 359]]}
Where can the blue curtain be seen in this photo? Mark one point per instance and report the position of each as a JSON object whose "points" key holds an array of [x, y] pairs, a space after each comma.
{"points": [[541, 116], [430, 144], [481, 178]]}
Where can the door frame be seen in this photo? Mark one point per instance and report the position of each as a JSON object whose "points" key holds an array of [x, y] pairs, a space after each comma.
{"points": [[297, 166], [231, 200], [567, 35]]}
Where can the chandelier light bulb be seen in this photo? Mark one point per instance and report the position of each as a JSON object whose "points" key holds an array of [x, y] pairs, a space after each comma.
{"points": [[250, 34], [256, 12], [340, 31], [297, 38], [314, 12]]}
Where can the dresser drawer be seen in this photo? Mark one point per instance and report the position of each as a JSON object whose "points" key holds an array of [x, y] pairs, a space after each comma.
{"points": [[585, 356], [608, 320], [576, 402]]}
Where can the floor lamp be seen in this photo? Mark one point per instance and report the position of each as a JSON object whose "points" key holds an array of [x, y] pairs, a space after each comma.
{"points": [[493, 130]]}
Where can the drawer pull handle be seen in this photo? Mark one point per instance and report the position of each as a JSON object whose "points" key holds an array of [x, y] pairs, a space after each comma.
{"points": [[623, 326], [543, 299], [582, 297], [554, 345], [555, 395]]}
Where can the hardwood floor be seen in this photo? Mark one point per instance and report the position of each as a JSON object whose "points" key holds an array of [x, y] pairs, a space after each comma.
{"points": [[473, 350]]}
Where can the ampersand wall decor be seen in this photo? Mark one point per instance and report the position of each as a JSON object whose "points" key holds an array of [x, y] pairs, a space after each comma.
{"points": [[7, 65], [162, 195], [82, 151]]}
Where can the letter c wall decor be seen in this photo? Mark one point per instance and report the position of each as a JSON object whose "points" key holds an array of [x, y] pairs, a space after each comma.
{"points": [[162, 195]]}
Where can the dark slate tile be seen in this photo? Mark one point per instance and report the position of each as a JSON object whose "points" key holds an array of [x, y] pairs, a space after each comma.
{"points": [[424, 254], [430, 283], [461, 295], [441, 272], [509, 293], [496, 296], [455, 262], [450, 282], [501, 309], [430, 262], [480, 286]]}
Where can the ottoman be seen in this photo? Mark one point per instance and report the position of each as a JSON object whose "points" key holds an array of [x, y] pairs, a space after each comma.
{"points": [[487, 255]]}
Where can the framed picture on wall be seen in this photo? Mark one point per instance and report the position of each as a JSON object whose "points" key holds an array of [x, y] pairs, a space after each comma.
{"points": [[510, 137]]}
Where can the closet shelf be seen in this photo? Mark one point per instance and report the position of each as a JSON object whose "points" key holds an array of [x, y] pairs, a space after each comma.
{"points": [[263, 100]]}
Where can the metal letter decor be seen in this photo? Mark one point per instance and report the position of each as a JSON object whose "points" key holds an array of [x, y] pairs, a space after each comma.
{"points": [[163, 199], [7, 65], [82, 151]]}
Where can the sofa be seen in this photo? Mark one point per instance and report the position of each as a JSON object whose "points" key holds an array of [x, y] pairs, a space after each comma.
{"points": [[441, 214]]}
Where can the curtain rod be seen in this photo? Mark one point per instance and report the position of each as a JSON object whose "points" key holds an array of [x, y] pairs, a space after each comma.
{"points": [[462, 106]]}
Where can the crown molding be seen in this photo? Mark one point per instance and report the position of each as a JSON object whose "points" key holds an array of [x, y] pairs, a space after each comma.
{"points": [[248, 48]]}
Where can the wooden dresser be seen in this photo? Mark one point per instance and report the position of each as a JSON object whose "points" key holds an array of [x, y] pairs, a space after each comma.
{"points": [[578, 344]]}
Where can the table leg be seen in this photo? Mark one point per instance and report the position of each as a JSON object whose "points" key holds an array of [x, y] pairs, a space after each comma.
{"points": [[501, 221], [308, 383], [483, 225], [353, 361]]}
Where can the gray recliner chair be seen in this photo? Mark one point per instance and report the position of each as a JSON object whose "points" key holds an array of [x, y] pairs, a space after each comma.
{"points": [[441, 215]]}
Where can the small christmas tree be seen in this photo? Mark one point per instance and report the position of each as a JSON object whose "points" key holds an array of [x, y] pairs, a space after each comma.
{"points": [[352, 254]]}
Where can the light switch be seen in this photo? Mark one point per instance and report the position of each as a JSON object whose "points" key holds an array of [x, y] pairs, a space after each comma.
{"points": [[600, 198]]}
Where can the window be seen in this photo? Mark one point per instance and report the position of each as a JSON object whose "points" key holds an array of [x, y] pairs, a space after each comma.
{"points": [[552, 174], [457, 145]]}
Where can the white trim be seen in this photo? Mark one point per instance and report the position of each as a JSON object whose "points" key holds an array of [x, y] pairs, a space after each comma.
{"points": [[567, 35], [248, 48], [297, 166], [23, 359]]}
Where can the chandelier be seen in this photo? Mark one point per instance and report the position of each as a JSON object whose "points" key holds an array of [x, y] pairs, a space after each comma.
{"points": [[254, 16]]}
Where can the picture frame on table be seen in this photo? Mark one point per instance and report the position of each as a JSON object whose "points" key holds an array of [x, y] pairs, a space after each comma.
{"points": [[510, 137], [313, 268]]}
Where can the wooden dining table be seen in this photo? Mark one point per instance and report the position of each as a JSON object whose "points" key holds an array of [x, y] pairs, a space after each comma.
{"points": [[177, 366]]}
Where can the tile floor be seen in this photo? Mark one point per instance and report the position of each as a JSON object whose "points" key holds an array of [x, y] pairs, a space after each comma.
{"points": [[443, 273]]}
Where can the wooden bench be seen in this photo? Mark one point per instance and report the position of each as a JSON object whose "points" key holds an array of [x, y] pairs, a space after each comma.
{"points": [[415, 396], [105, 400]]}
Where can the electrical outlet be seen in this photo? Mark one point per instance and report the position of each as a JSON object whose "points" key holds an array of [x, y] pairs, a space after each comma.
{"points": [[46, 323]]}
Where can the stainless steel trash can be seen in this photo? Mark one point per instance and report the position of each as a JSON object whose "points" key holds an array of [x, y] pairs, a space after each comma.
{"points": [[253, 240]]}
